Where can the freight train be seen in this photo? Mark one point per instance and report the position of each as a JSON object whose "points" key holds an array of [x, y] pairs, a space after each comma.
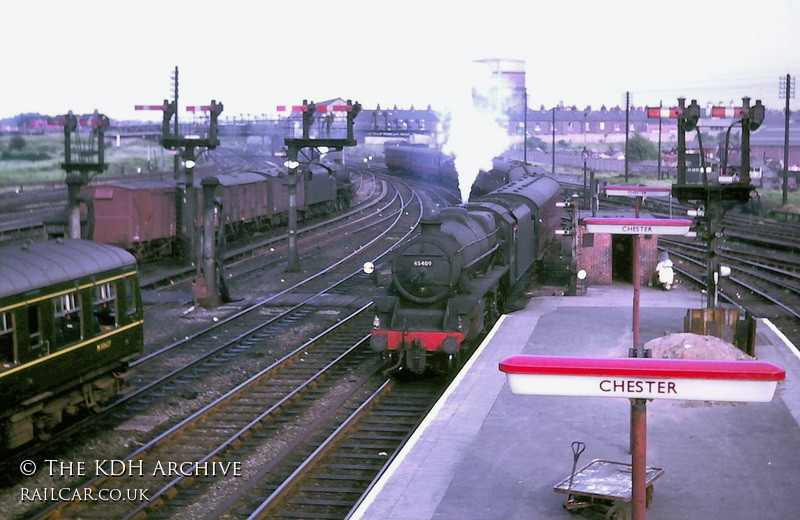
{"points": [[452, 281], [71, 314], [141, 216]]}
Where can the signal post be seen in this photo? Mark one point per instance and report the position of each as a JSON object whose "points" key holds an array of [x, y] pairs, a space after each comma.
{"points": [[80, 172], [190, 147], [713, 198], [294, 148]]}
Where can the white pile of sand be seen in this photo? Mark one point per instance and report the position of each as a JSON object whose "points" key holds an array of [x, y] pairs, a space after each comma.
{"points": [[694, 346]]}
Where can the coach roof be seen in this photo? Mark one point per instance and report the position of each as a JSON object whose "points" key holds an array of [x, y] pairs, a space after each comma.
{"points": [[42, 264]]}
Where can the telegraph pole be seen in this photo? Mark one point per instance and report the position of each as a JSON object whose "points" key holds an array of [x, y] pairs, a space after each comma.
{"points": [[627, 126], [786, 90]]}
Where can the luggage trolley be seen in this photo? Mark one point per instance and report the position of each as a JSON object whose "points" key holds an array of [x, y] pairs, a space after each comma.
{"points": [[602, 485]]}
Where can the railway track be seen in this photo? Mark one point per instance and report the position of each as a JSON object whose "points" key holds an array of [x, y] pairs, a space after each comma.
{"points": [[332, 478], [756, 286], [228, 429], [222, 352]]}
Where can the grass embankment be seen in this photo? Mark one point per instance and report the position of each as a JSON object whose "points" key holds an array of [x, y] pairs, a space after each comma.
{"points": [[40, 159]]}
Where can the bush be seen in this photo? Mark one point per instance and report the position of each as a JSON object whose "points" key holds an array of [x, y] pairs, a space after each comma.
{"points": [[16, 143]]}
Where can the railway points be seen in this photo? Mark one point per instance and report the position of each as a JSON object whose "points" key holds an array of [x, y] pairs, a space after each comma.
{"points": [[486, 453]]}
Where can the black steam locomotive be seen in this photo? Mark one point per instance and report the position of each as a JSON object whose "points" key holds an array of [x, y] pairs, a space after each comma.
{"points": [[452, 281]]}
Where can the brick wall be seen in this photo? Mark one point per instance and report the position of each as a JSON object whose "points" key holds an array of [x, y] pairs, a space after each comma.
{"points": [[596, 257]]}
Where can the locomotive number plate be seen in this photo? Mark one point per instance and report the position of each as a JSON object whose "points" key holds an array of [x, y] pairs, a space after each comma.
{"points": [[423, 263]]}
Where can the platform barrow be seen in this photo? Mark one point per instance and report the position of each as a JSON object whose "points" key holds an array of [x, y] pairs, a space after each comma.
{"points": [[602, 485]]}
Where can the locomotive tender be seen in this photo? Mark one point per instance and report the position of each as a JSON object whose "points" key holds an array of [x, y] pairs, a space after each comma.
{"points": [[141, 216], [503, 172], [453, 280], [71, 322]]}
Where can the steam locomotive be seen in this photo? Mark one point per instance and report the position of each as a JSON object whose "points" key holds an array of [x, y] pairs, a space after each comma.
{"points": [[71, 317], [141, 216], [453, 280]]}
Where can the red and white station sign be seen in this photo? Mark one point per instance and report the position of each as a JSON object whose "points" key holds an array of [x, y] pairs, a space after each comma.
{"points": [[638, 191], [637, 378], [637, 226]]}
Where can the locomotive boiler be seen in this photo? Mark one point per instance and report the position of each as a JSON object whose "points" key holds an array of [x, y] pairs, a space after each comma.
{"points": [[452, 281]]}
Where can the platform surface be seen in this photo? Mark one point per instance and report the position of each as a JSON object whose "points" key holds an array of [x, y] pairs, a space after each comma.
{"points": [[485, 453]]}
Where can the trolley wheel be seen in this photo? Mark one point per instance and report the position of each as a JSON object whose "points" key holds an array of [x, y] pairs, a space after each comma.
{"points": [[616, 512]]}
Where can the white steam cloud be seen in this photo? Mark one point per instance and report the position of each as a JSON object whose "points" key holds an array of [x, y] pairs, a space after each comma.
{"points": [[475, 129]]}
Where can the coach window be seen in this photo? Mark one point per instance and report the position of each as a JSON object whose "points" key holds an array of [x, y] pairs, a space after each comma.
{"points": [[6, 340], [35, 331], [67, 319], [104, 305], [130, 295]]}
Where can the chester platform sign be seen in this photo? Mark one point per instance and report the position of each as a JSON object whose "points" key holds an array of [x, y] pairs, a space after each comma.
{"points": [[637, 226], [643, 378], [638, 191]]}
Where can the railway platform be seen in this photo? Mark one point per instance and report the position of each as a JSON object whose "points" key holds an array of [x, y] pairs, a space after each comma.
{"points": [[485, 453]]}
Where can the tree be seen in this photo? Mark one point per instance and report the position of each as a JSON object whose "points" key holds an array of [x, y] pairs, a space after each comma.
{"points": [[641, 149]]}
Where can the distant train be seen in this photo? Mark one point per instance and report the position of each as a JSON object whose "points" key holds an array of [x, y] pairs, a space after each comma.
{"points": [[141, 216], [71, 316], [434, 166], [428, 164], [452, 281]]}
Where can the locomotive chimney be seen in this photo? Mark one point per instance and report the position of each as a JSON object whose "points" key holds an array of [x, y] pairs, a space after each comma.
{"points": [[430, 226]]}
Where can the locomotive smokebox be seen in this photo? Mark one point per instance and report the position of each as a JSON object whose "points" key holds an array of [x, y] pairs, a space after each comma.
{"points": [[431, 267]]}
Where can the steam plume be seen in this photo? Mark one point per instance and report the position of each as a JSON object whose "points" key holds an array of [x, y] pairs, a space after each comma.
{"points": [[476, 124]]}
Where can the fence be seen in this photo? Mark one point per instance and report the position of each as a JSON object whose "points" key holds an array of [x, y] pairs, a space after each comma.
{"points": [[597, 164]]}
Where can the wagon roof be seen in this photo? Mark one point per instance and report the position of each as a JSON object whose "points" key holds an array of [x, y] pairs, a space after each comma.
{"points": [[42, 264], [136, 184]]}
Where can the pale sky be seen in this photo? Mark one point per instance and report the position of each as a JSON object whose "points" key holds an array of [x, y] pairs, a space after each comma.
{"points": [[84, 55]]}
